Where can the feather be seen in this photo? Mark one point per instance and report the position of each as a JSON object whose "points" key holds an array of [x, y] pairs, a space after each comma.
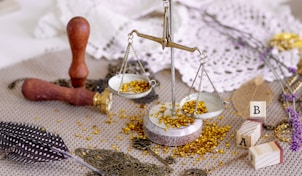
{"points": [[30, 144]]}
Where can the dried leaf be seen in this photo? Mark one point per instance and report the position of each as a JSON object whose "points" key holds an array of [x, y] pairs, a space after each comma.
{"points": [[253, 90]]}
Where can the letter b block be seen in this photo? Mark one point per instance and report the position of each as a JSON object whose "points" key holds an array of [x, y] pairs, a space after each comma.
{"points": [[258, 110]]}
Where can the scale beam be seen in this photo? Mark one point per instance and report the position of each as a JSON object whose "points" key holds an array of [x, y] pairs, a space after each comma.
{"points": [[165, 42]]}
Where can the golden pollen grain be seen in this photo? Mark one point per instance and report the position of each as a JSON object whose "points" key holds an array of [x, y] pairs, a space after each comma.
{"points": [[209, 140], [37, 118], [181, 120], [79, 123], [136, 86], [190, 107]]}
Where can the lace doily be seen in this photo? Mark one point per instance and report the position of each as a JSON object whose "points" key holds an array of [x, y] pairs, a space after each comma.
{"points": [[229, 64]]}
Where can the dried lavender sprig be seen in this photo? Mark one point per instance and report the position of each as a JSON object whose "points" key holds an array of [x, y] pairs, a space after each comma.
{"points": [[297, 129], [244, 38], [247, 39]]}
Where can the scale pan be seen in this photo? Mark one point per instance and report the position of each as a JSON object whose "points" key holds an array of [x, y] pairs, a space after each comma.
{"points": [[115, 82], [213, 103]]}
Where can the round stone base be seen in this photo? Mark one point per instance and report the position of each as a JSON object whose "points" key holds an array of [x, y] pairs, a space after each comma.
{"points": [[160, 134]]}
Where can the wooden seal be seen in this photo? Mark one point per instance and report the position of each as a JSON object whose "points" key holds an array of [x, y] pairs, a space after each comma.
{"points": [[39, 90], [78, 30]]}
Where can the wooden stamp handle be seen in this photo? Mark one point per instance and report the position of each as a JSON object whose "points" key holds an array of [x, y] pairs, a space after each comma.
{"points": [[38, 90], [78, 30]]}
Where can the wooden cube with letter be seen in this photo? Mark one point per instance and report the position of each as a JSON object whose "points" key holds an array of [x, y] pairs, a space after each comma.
{"points": [[248, 134], [258, 111], [266, 154]]}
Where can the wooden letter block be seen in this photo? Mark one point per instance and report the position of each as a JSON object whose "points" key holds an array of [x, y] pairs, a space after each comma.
{"points": [[266, 154], [248, 134], [258, 111]]}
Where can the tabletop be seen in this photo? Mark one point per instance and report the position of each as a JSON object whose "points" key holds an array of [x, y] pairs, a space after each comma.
{"points": [[86, 127]]}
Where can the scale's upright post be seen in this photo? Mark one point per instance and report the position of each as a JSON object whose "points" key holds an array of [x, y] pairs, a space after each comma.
{"points": [[170, 33]]}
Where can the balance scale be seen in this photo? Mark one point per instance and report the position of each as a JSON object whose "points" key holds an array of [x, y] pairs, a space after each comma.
{"points": [[154, 129]]}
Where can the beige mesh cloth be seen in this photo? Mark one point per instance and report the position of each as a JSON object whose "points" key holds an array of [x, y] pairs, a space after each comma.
{"points": [[62, 118]]}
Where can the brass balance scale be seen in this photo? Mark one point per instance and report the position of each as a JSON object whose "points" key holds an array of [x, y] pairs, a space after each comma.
{"points": [[154, 128]]}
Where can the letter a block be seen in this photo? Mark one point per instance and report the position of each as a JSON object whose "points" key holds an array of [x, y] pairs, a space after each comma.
{"points": [[248, 134], [258, 110], [266, 154]]}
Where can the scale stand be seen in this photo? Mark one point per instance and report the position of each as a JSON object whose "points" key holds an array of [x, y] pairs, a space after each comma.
{"points": [[154, 128]]}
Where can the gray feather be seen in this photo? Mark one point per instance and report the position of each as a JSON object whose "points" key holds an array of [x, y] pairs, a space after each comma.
{"points": [[29, 144]]}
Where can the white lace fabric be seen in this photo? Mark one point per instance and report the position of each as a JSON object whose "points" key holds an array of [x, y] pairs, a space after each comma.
{"points": [[228, 64]]}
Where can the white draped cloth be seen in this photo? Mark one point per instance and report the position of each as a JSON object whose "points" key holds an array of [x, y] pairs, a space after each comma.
{"points": [[227, 64]]}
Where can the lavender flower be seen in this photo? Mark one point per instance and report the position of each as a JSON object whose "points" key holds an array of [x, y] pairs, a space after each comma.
{"points": [[263, 55], [295, 146], [290, 110], [292, 70], [297, 129], [289, 97]]}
